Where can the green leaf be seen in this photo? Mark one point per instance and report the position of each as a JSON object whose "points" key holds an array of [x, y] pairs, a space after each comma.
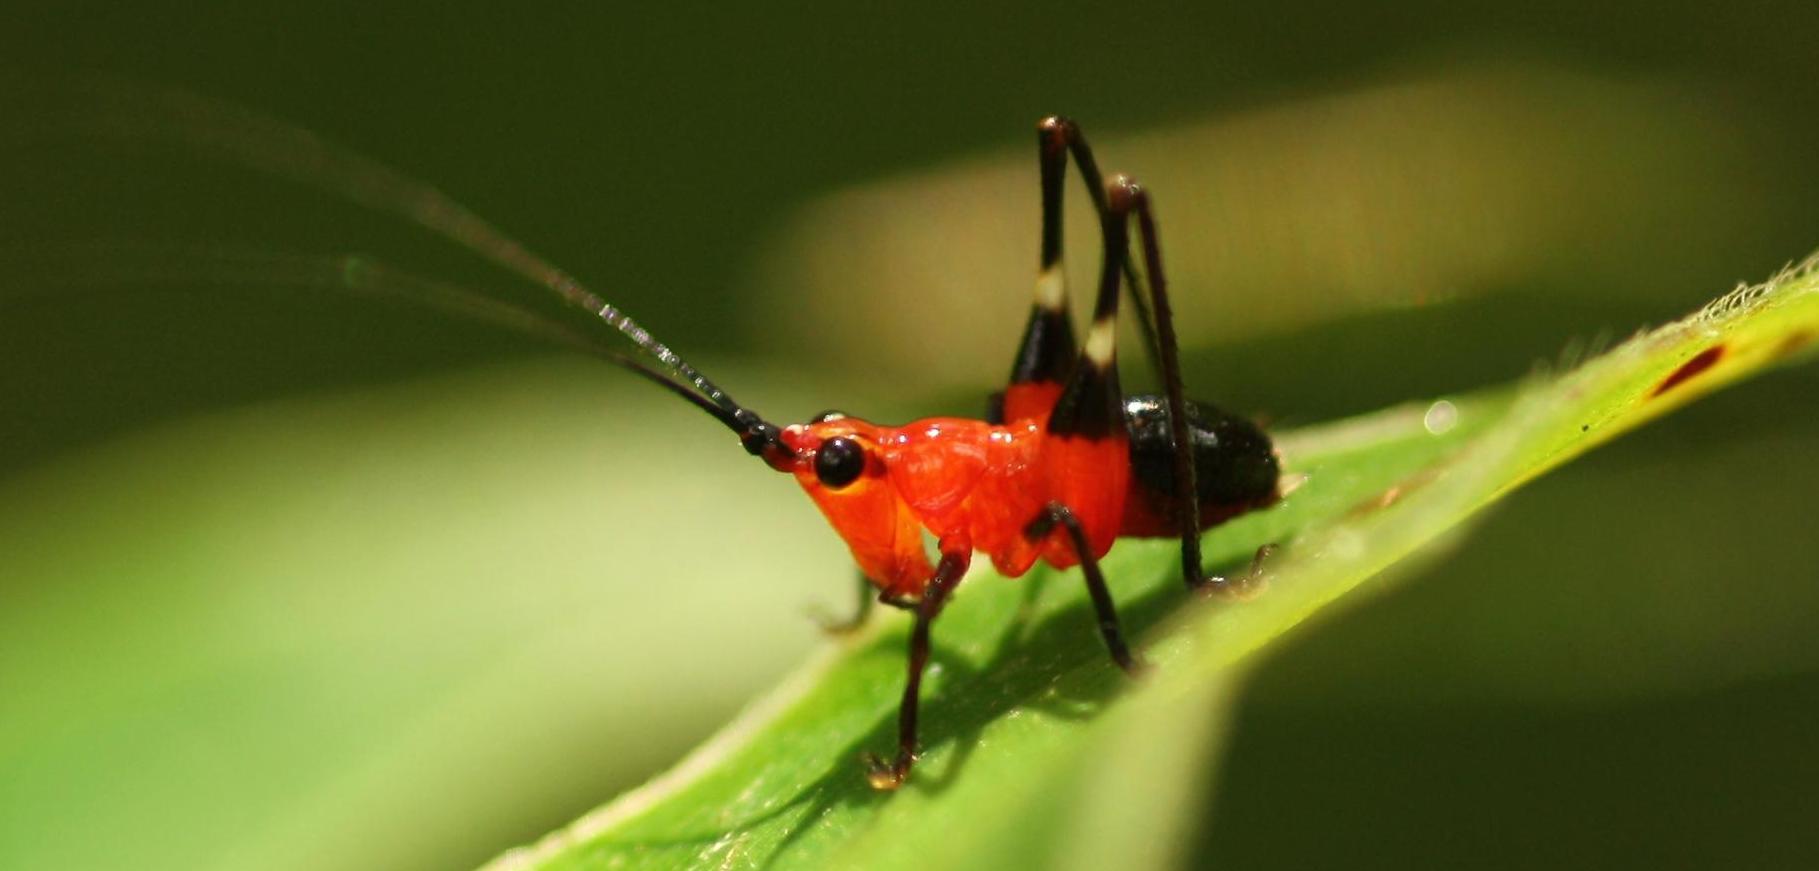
{"points": [[1035, 749], [443, 604]]}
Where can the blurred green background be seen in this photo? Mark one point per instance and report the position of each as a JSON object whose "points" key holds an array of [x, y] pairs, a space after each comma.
{"points": [[310, 580]]}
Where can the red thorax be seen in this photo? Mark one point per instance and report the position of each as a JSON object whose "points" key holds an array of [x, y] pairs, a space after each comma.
{"points": [[970, 485]]}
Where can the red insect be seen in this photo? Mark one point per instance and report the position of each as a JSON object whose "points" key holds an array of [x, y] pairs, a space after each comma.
{"points": [[1063, 465]]}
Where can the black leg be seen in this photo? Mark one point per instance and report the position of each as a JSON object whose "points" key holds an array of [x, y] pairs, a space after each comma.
{"points": [[1057, 513], [1048, 349], [1187, 502], [1060, 138], [947, 576], [1187, 505]]}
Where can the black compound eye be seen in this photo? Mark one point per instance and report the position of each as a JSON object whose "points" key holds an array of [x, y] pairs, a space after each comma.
{"points": [[839, 461]]}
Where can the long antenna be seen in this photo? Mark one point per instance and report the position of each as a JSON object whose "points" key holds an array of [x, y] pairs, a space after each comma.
{"points": [[283, 149], [103, 264]]}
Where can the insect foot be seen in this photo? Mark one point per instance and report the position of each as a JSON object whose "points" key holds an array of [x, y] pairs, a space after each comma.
{"points": [[886, 777], [1136, 667], [1244, 587]]}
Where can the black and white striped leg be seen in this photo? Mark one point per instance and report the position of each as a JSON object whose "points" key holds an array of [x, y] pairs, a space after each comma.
{"points": [[1059, 138], [1048, 349]]}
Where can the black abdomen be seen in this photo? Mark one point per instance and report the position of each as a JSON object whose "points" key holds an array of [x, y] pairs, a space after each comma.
{"points": [[1234, 461]]}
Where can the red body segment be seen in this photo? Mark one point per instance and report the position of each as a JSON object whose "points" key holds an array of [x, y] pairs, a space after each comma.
{"points": [[973, 486], [1031, 400]]}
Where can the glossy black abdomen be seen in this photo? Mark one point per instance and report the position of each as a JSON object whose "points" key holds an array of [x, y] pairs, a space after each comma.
{"points": [[1235, 464]]}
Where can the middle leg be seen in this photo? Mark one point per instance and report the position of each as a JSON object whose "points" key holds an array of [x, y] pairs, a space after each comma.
{"points": [[1055, 514]]}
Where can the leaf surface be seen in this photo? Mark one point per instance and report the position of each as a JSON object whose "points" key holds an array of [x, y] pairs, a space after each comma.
{"points": [[1036, 749]]}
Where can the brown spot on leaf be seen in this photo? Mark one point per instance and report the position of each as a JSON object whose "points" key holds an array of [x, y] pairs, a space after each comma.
{"points": [[1394, 494], [1701, 361], [1793, 344]]}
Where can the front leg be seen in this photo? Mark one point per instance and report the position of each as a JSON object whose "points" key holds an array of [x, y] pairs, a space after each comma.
{"points": [[947, 576]]}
